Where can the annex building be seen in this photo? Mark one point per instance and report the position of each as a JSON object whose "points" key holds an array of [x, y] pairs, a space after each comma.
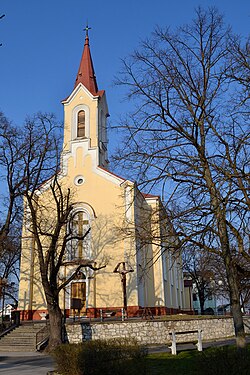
{"points": [[130, 232]]}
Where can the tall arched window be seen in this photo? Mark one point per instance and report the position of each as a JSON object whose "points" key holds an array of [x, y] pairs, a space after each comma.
{"points": [[79, 244], [81, 124]]}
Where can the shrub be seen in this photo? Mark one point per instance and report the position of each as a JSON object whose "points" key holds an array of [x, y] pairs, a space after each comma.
{"points": [[116, 357], [66, 357], [224, 361]]}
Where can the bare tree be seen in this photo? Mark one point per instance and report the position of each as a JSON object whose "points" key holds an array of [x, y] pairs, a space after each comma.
{"points": [[205, 271], [186, 137], [27, 158], [243, 270], [30, 161], [9, 265], [12, 175], [239, 52], [48, 223], [2, 16], [16, 145], [208, 274]]}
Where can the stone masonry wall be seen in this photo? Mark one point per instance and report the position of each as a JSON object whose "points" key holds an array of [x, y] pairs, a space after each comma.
{"points": [[153, 332]]}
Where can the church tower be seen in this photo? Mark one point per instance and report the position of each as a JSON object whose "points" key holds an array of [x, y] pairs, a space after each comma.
{"points": [[85, 115]]}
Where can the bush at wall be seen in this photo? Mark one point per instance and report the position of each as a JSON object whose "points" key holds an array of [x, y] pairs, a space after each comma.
{"points": [[227, 360], [66, 357], [113, 357]]}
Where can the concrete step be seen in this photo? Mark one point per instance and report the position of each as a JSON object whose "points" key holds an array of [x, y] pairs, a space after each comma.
{"points": [[20, 346], [21, 339], [9, 343], [29, 329], [21, 334], [17, 342], [16, 349]]}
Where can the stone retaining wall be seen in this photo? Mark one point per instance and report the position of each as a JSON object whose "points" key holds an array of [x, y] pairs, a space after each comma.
{"points": [[153, 332]]}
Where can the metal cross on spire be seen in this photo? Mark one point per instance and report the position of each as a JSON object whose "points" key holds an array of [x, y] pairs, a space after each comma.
{"points": [[87, 28]]}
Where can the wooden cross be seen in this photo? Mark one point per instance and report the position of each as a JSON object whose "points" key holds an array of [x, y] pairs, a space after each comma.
{"points": [[122, 270]]}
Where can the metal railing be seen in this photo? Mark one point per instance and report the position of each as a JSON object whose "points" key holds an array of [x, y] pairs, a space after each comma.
{"points": [[42, 336], [8, 329]]}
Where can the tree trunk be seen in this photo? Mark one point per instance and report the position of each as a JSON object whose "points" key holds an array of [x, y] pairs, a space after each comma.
{"points": [[201, 297], [55, 325], [227, 254], [202, 302], [235, 302]]}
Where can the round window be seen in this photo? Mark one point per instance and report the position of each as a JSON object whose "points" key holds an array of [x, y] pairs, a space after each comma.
{"points": [[79, 180]]}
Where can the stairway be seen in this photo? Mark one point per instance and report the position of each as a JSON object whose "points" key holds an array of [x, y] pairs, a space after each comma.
{"points": [[21, 339]]}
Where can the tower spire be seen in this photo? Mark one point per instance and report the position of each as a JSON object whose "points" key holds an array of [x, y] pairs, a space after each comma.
{"points": [[86, 73]]}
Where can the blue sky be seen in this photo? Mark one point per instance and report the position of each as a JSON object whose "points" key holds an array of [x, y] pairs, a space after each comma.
{"points": [[43, 41]]}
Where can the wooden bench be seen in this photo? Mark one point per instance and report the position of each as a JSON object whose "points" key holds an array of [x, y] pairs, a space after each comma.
{"points": [[196, 341]]}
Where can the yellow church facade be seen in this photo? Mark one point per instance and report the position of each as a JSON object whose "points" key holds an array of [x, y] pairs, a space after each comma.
{"points": [[127, 231]]}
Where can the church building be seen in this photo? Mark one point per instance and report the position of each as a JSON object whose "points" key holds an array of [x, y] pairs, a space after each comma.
{"points": [[128, 231]]}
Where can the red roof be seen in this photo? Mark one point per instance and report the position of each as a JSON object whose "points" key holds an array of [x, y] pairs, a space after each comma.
{"points": [[113, 174], [86, 73], [150, 195]]}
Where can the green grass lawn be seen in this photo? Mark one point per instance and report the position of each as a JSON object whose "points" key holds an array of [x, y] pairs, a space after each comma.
{"points": [[166, 363], [213, 361], [124, 357]]}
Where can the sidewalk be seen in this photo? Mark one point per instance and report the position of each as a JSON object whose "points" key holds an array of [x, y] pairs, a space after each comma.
{"points": [[18, 363], [205, 345]]}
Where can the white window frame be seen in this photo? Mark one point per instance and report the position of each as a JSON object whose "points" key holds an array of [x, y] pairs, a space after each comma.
{"points": [[74, 123], [73, 213]]}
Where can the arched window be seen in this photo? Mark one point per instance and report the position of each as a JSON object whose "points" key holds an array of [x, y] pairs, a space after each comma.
{"points": [[79, 230], [81, 124]]}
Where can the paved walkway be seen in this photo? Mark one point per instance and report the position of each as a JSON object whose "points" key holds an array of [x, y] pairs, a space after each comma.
{"points": [[25, 363], [205, 345]]}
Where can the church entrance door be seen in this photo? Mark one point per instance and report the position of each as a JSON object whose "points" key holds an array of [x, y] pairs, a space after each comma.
{"points": [[78, 297]]}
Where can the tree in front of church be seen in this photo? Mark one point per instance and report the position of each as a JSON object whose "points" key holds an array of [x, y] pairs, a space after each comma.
{"points": [[49, 222], [48, 216], [189, 136], [29, 161]]}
